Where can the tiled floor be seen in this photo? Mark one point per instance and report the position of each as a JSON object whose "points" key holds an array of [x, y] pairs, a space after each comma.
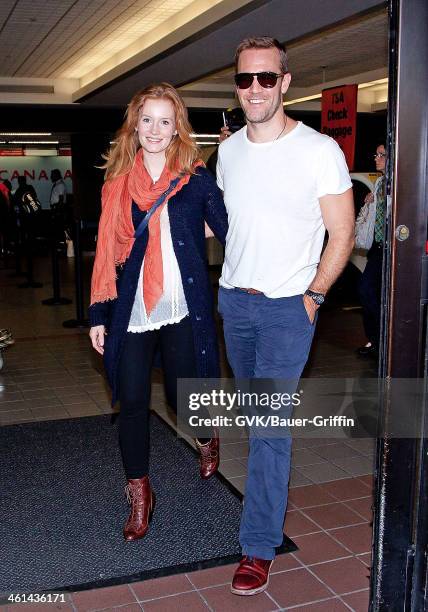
{"points": [[52, 373]]}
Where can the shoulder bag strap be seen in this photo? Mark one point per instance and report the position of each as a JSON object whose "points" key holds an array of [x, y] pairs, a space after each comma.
{"points": [[144, 223]]}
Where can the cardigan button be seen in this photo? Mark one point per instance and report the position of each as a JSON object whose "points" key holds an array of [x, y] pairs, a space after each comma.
{"points": [[198, 318], [180, 243], [203, 351], [190, 280]]}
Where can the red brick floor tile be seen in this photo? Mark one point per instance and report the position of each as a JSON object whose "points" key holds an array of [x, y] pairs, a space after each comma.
{"points": [[296, 587], [191, 602], [318, 547], [160, 587], [103, 598], [333, 515], [358, 538], [368, 479], [220, 599], [329, 605], [285, 562], [365, 559], [359, 602], [296, 524], [310, 495], [343, 576], [363, 506], [346, 488], [129, 608], [213, 576]]}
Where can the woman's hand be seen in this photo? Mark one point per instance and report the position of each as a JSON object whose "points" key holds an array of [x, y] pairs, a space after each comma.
{"points": [[96, 335], [369, 198], [208, 231]]}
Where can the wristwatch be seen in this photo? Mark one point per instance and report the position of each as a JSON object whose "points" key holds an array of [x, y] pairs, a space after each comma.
{"points": [[318, 298]]}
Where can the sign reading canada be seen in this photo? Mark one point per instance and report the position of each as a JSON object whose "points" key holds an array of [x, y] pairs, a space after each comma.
{"points": [[339, 118]]}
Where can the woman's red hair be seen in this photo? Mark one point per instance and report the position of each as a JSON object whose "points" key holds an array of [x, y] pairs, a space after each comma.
{"points": [[182, 151]]}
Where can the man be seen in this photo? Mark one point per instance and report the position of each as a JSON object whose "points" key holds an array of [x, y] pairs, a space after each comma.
{"points": [[58, 191], [283, 184], [58, 200]]}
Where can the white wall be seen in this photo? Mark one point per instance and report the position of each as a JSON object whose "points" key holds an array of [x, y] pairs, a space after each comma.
{"points": [[39, 168]]}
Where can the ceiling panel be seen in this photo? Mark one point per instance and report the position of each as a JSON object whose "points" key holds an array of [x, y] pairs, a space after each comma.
{"points": [[52, 38], [337, 53]]}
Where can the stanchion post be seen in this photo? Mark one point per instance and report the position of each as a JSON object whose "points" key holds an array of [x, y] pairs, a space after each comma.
{"points": [[80, 320], [56, 300]]}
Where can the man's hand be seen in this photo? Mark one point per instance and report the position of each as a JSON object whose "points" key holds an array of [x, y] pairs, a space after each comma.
{"points": [[311, 307], [96, 335]]}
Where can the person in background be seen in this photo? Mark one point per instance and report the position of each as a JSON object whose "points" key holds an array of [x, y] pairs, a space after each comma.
{"points": [[163, 297], [27, 227], [6, 232], [370, 287], [58, 195], [58, 203]]}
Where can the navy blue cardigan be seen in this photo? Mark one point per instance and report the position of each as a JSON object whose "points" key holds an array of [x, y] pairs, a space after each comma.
{"points": [[198, 201]]}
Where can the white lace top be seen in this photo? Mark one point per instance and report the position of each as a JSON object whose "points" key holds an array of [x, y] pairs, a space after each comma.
{"points": [[172, 306]]}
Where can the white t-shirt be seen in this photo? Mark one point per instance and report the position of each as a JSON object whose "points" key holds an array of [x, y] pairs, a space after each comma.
{"points": [[271, 192], [172, 305]]}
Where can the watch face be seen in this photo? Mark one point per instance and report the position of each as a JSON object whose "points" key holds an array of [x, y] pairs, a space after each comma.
{"points": [[318, 298]]}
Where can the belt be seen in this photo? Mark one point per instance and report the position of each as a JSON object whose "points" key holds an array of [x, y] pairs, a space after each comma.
{"points": [[250, 290]]}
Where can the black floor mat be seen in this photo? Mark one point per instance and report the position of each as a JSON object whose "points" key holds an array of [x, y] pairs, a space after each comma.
{"points": [[62, 509]]}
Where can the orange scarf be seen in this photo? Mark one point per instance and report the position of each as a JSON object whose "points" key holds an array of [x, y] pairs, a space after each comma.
{"points": [[116, 230]]}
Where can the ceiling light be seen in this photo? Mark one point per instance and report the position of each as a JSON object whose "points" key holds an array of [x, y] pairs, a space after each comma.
{"points": [[53, 142], [318, 96], [305, 99], [372, 83], [204, 135], [204, 142], [25, 133]]}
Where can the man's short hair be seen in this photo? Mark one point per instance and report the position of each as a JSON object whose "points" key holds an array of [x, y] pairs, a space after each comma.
{"points": [[263, 42]]}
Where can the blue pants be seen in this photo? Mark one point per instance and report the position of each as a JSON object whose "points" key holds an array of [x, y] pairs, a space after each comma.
{"points": [[265, 338]]}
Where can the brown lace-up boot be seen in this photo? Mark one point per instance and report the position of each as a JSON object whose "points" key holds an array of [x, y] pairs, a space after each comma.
{"points": [[142, 501], [209, 456]]}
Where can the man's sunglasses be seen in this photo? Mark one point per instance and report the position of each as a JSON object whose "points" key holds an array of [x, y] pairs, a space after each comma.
{"points": [[267, 80]]}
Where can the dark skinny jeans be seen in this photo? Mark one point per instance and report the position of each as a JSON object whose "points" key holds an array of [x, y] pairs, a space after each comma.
{"points": [[134, 377]]}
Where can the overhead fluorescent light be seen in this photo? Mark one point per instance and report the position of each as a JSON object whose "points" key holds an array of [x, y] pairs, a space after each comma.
{"points": [[53, 142], [25, 133], [372, 83], [305, 99], [318, 95], [205, 142], [40, 152], [204, 135]]}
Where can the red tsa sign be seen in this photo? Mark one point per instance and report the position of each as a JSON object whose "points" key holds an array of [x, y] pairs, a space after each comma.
{"points": [[339, 118]]}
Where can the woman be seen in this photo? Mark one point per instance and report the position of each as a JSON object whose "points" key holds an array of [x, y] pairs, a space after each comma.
{"points": [[370, 288], [163, 295]]}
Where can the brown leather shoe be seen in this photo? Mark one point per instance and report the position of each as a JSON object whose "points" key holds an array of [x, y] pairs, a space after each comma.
{"points": [[251, 577], [142, 501], [209, 456]]}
